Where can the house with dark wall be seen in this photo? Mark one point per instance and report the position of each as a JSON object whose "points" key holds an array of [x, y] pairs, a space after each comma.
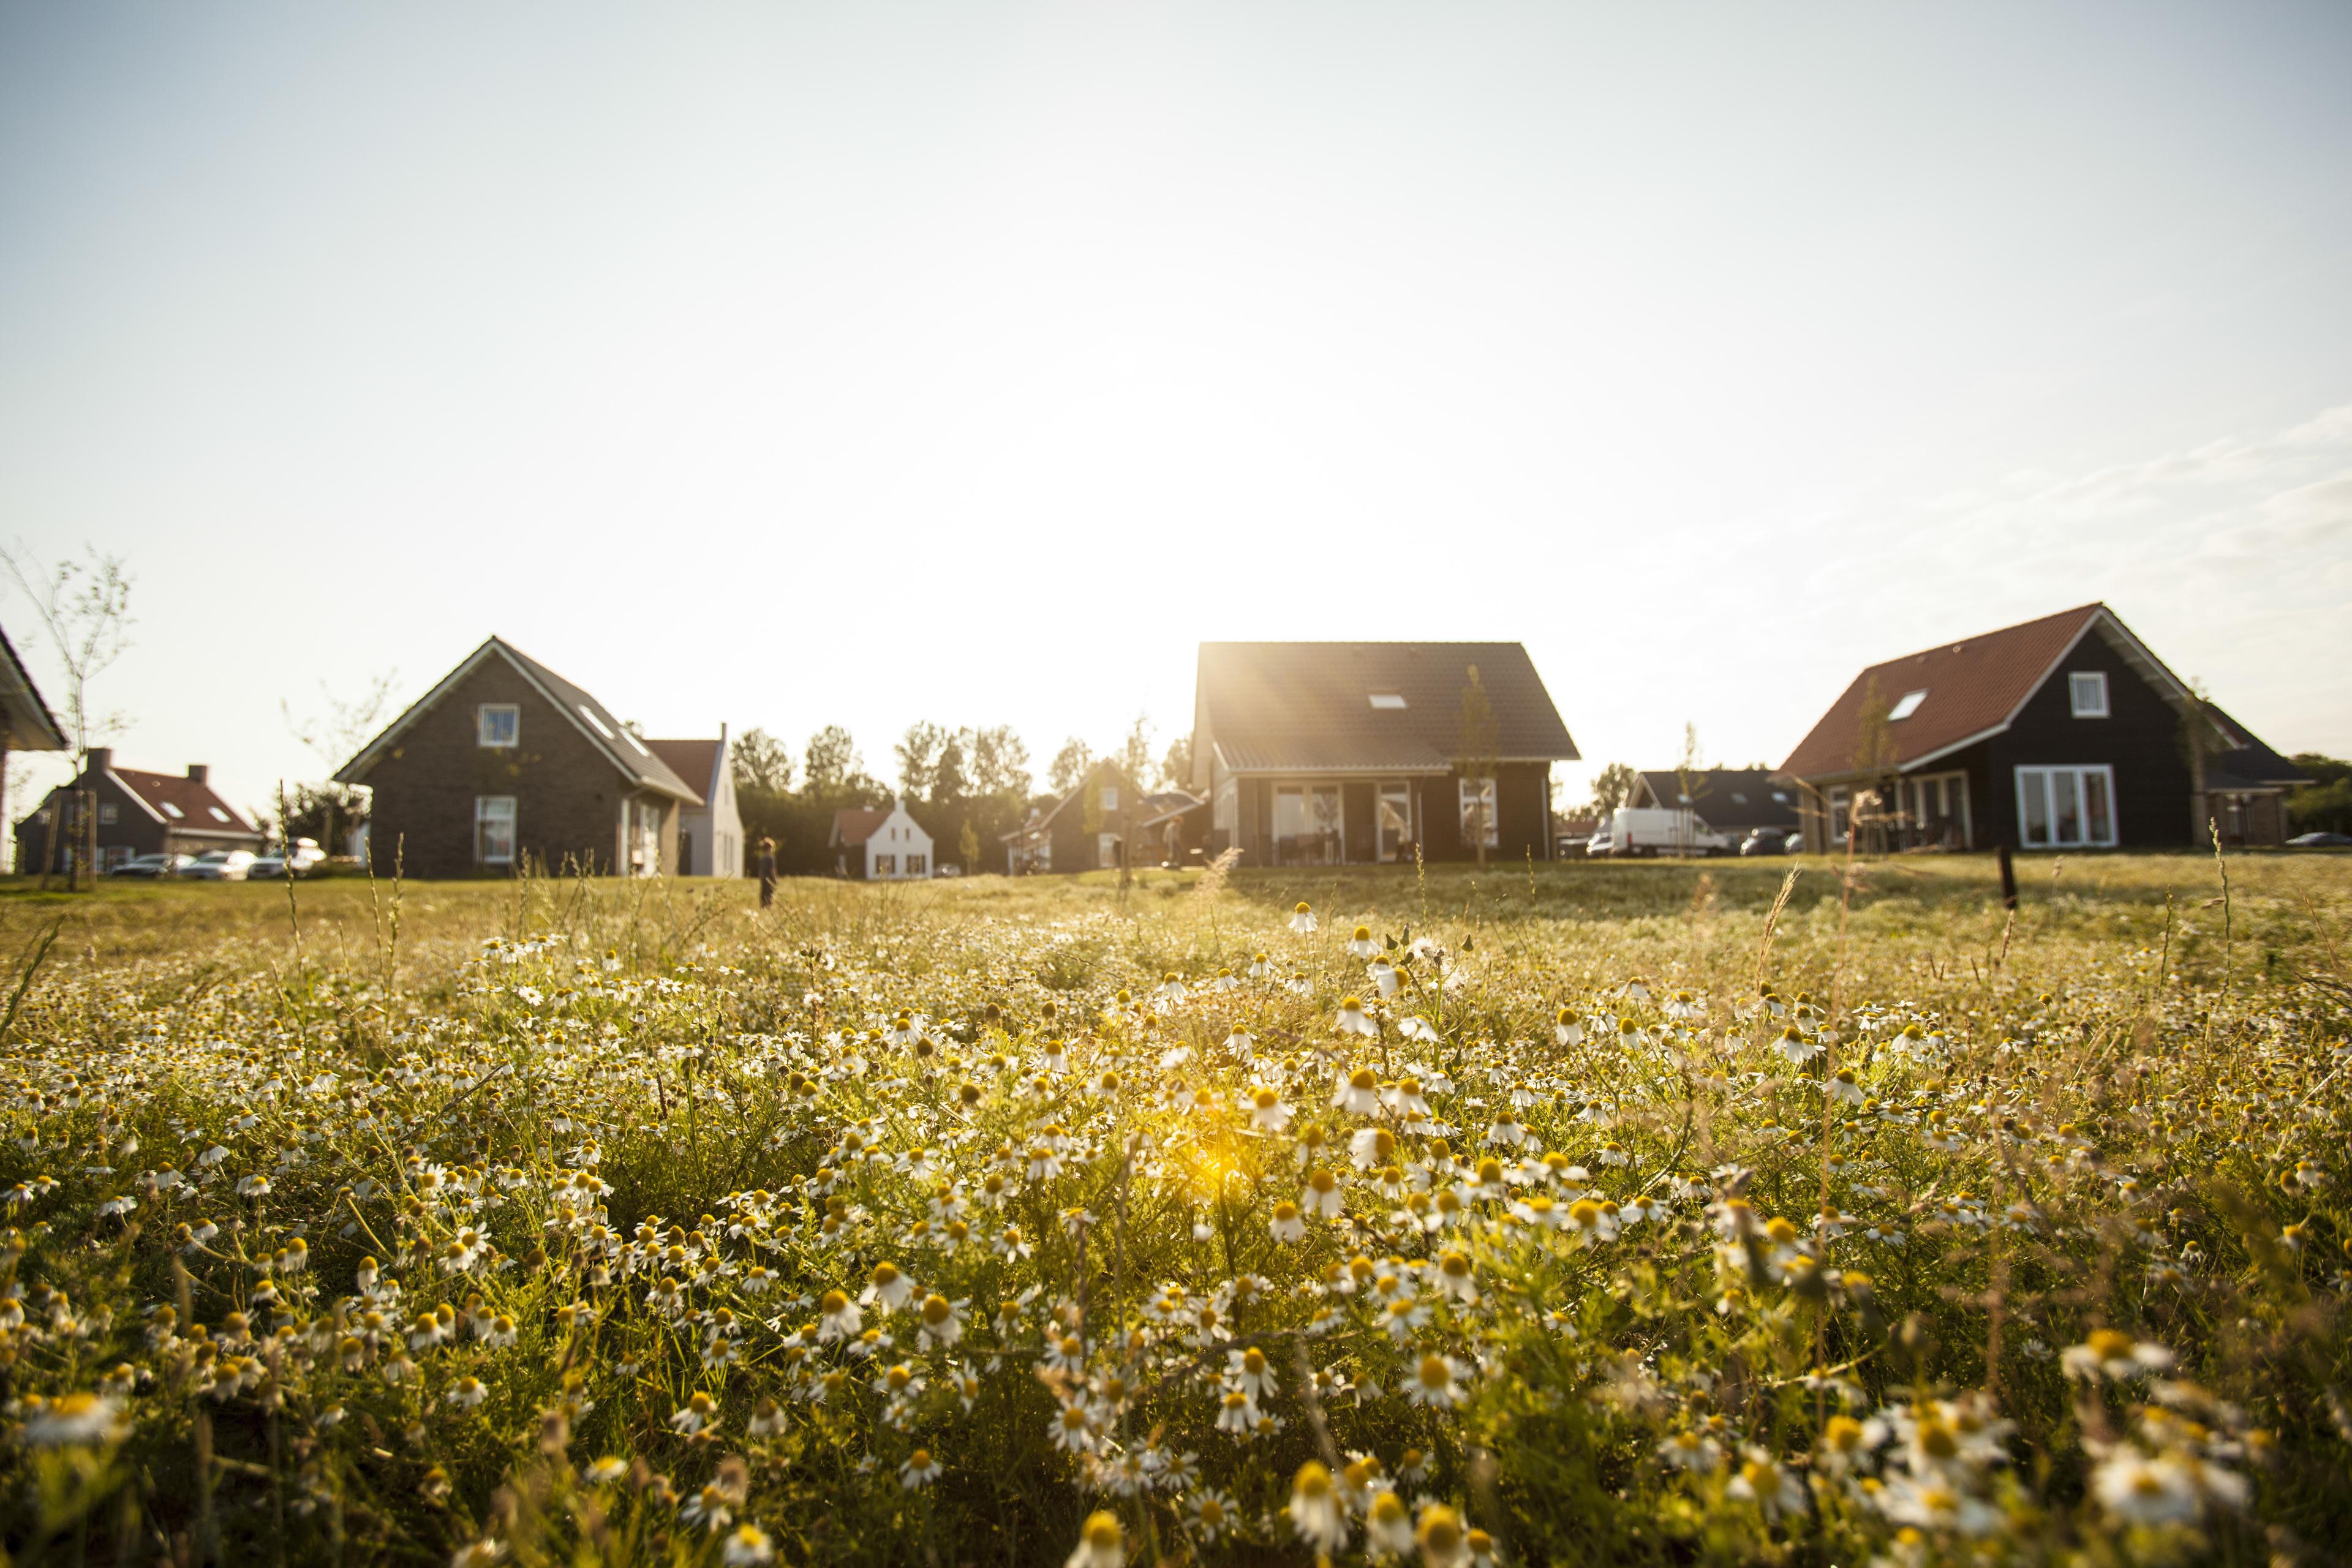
{"points": [[138, 813], [26, 722], [505, 764], [1737, 801], [1096, 826], [1351, 753], [2062, 733]]}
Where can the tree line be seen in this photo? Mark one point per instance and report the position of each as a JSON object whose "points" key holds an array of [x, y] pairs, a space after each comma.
{"points": [[967, 787]]}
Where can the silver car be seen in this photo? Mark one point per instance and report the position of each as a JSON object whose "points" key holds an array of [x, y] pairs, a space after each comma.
{"points": [[219, 866]]}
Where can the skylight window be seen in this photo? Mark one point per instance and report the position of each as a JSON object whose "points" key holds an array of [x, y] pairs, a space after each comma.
{"points": [[596, 723], [171, 811], [634, 745], [1387, 700], [1909, 705], [218, 815]]}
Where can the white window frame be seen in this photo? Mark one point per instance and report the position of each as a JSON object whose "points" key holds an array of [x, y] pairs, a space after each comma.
{"points": [[2098, 679], [1839, 801], [1387, 701], [486, 813], [1470, 793], [2042, 776], [1108, 798], [1106, 850], [1906, 705], [486, 737], [108, 814]]}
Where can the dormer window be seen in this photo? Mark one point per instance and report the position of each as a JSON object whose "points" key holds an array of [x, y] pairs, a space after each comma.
{"points": [[497, 724], [1909, 705], [2088, 691], [1387, 701]]}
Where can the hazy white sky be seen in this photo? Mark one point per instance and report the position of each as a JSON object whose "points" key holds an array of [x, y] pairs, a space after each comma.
{"points": [[791, 364]]}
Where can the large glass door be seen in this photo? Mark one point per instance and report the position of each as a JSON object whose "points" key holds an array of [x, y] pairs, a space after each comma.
{"points": [[1392, 821]]}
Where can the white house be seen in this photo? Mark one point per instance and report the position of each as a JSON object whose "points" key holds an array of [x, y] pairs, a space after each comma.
{"points": [[710, 836], [880, 845]]}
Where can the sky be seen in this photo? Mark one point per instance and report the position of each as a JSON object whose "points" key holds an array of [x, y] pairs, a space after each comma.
{"points": [[785, 365]]}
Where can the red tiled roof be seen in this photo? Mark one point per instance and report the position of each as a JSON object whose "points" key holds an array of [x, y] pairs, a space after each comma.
{"points": [[856, 825], [1972, 687], [193, 803], [691, 761]]}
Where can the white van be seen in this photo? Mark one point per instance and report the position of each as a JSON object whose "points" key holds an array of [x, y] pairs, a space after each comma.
{"points": [[1658, 830]]}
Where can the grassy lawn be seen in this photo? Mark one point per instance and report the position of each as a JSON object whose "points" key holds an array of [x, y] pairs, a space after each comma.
{"points": [[1650, 1212]]}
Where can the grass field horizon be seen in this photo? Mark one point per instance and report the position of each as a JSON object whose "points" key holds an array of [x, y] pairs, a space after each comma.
{"points": [[1790, 1211]]}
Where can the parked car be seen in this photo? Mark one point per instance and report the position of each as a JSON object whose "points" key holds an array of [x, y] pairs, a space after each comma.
{"points": [[949, 868], [1767, 841], [308, 857], [219, 866], [153, 866], [2320, 840]]}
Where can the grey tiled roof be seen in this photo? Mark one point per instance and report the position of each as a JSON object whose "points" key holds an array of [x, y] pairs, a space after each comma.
{"points": [[1307, 705]]}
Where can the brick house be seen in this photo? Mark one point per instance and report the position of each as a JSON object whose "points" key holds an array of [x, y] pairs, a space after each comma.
{"points": [[709, 835], [506, 764], [1097, 826], [1350, 753], [139, 813], [879, 844], [26, 722], [2062, 733]]}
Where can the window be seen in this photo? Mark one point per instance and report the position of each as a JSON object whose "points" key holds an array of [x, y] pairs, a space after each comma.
{"points": [[916, 865], [1387, 701], [1393, 819], [2087, 689], [1307, 825], [2066, 808], [594, 723], [497, 724], [1737, 798], [1478, 824], [886, 865], [1106, 849], [1781, 795], [493, 828], [1840, 798], [1225, 815], [1110, 797], [171, 811], [108, 814], [218, 815], [1909, 705]]}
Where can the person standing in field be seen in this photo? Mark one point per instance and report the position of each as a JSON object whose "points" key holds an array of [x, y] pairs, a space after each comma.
{"points": [[767, 872]]}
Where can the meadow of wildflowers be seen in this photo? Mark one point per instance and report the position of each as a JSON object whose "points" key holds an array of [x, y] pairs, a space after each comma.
{"points": [[1556, 1215]]}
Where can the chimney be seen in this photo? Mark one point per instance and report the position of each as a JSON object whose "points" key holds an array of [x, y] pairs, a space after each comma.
{"points": [[100, 758], [198, 773]]}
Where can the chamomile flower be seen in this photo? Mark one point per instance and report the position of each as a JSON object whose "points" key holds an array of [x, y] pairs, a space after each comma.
{"points": [[1352, 1019], [1315, 1510], [920, 1470], [1302, 918], [1436, 1382]]}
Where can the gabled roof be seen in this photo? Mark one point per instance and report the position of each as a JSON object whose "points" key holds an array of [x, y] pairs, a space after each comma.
{"points": [[1975, 687], [1727, 798], [2251, 765], [854, 825], [31, 727], [1036, 823], [1158, 806], [632, 757], [1307, 707], [695, 762], [186, 805]]}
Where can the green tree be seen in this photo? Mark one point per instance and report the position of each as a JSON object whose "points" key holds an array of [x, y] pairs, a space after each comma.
{"points": [[760, 762], [968, 846], [1000, 764], [1613, 786], [1070, 765], [918, 759], [832, 767], [2325, 805], [1176, 767]]}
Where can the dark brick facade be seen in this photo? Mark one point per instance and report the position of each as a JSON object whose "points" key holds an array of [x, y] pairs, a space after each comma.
{"points": [[1522, 816], [568, 795]]}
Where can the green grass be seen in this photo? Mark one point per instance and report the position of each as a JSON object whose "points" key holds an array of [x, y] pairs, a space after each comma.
{"points": [[2121, 1109]]}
